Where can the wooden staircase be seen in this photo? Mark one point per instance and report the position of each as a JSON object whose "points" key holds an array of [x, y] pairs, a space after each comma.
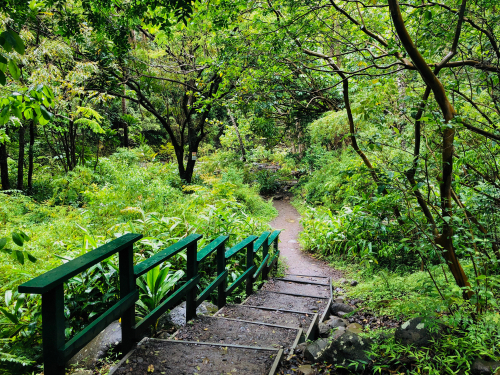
{"points": [[251, 338]]}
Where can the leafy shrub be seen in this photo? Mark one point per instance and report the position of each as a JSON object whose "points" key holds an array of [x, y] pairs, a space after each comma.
{"points": [[268, 181]]}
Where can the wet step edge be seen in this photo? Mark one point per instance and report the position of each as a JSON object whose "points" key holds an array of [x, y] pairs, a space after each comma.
{"points": [[290, 319], [246, 360], [221, 330]]}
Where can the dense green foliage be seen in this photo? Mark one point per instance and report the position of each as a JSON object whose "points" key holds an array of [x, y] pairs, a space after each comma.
{"points": [[85, 209], [169, 117]]}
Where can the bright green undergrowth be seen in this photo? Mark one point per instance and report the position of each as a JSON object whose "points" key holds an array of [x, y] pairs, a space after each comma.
{"points": [[73, 213], [348, 222], [463, 336]]}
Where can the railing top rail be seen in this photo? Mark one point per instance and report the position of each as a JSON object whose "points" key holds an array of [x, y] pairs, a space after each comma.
{"points": [[273, 236], [64, 272], [158, 258], [240, 246], [210, 248], [260, 241]]}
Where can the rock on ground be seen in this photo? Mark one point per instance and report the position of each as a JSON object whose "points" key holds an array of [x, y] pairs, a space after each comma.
{"points": [[347, 349], [334, 322], [354, 328], [335, 308], [482, 367], [82, 372], [177, 316], [415, 331], [305, 370], [109, 338]]}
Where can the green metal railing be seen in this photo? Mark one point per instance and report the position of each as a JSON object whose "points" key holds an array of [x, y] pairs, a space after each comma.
{"points": [[56, 351]]}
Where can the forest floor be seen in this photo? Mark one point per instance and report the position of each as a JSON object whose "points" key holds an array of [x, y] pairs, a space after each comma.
{"points": [[297, 261]]}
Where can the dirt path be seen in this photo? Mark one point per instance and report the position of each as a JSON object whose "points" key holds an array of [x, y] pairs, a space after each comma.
{"points": [[299, 263]]}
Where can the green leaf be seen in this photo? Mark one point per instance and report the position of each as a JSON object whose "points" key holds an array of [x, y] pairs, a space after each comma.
{"points": [[10, 316], [14, 70], [17, 112], [28, 114], [18, 239], [19, 256], [48, 92], [4, 115], [5, 41], [31, 258], [3, 242], [25, 236], [46, 114], [19, 46], [10, 39], [3, 79], [8, 297], [3, 60], [19, 303]]}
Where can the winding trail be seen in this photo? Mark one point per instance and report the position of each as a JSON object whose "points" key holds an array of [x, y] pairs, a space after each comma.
{"points": [[299, 262]]}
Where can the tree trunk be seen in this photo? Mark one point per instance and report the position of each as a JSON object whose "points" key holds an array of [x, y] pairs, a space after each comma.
{"points": [[4, 168], [20, 159], [82, 159], [445, 239], [125, 124], [31, 155], [235, 125], [72, 142], [352, 127]]}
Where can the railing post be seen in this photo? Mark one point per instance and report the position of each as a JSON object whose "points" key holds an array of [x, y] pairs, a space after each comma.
{"points": [[221, 267], [53, 330], [127, 285], [249, 288], [276, 251], [192, 271], [265, 251]]}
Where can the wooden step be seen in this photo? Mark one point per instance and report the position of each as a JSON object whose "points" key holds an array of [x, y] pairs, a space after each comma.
{"points": [[171, 357], [223, 330], [322, 280], [288, 302], [292, 319], [298, 288]]}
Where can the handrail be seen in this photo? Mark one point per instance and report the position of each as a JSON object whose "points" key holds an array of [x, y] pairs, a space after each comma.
{"points": [[240, 246], [66, 271], [57, 351], [273, 236], [261, 267], [260, 241], [211, 247], [74, 345], [165, 254]]}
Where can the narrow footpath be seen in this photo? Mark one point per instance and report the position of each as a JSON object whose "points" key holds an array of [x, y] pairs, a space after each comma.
{"points": [[298, 262], [256, 336]]}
